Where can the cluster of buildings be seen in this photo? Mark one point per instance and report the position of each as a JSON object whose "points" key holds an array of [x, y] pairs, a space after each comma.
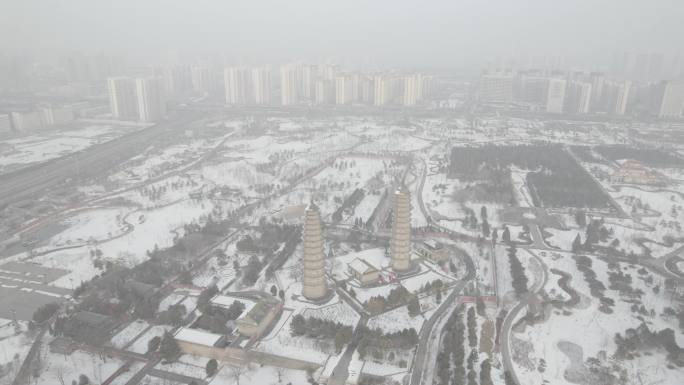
{"points": [[142, 99], [634, 172], [38, 117], [145, 98], [295, 84], [559, 92], [262, 313], [314, 286], [556, 91]]}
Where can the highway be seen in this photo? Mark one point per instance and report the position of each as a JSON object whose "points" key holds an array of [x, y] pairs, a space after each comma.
{"points": [[33, 181]]}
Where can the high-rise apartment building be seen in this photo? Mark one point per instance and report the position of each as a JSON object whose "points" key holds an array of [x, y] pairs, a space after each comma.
{"points": [[496, 88], [151, 99], [343, 89], [261, 85], [577, 97], [238, 85], [383, 92], [177, 80], [288, 85], [205, 79], [555, 97], [308, 83], [669, 99], [615, 97], [323, 92], [122, 97]]}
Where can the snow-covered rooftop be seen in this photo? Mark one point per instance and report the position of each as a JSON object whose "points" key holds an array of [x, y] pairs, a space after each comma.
{"points": [[361, 266], [198, 337], [225, 301]]}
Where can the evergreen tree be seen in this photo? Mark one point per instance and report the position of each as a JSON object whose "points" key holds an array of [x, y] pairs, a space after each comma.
{"points": [[153, 344], [298, 325], [211, 367], [581, 218], [506, 236], [413, 306], [577, 244], [486, 373], [472, 328], [168, 348], [517, 272]]}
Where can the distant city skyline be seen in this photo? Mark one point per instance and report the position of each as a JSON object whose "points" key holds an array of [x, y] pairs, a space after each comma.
{"points": [[444, 37]]}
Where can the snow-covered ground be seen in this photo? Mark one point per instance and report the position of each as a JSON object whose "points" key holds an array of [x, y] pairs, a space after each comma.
{"points": [[48, 145], [592, 330], [147, 202], [58, 368]]}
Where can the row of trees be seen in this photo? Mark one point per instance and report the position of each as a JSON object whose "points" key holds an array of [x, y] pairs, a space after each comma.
{"points": [[313, 327], [517, 272], [396, 297], [642, 338], [596, 287], [450, 369], [376, 338], [595, 232]]}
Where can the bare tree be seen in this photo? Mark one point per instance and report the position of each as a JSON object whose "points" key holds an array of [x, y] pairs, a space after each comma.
{"points": [[60, 374], [238, 371]]}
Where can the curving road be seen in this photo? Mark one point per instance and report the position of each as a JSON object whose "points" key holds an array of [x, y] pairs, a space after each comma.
{"points": [[429, 334], [507, 326]]}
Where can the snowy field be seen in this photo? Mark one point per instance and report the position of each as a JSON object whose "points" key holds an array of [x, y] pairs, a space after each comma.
{"points": [[53, 144], [340, 312], [592, 330]]}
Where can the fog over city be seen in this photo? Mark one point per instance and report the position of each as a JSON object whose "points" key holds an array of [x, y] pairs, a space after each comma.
{"points": [[344, 193], [445, 35]]}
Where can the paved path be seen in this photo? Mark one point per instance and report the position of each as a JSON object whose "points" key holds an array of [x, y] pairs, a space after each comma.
{"points": [[429, 333], [341, 372], [22, 376], [511, 316]]}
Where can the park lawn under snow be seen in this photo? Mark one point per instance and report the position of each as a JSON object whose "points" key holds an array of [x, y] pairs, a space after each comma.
{"points": [[50, 145], [90, 226], [365, 209], [282, 343], [159, 229], [438, 193], [13, 346], [340, 312], [260, 375], [70, 367], [592, 329], [396, 320]]}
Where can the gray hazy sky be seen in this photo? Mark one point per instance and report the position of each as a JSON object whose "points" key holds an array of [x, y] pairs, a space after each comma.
{"points": [[400, 33]]}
